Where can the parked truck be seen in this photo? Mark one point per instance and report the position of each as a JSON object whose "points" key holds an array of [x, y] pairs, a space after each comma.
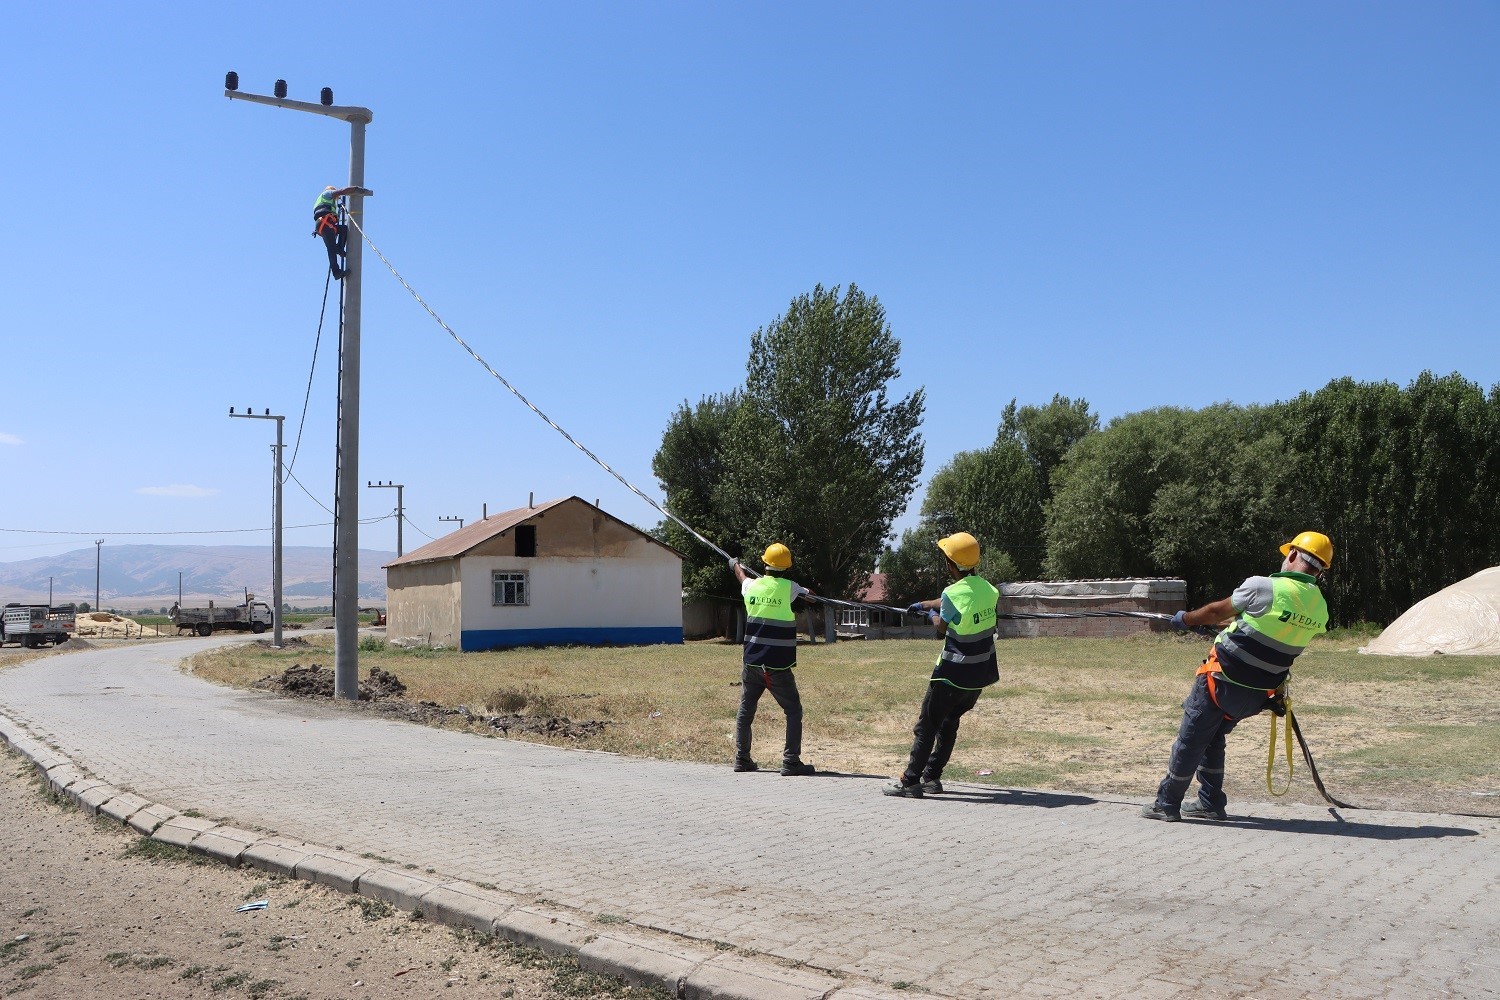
{"points": [[36, 625], [253, 617]]}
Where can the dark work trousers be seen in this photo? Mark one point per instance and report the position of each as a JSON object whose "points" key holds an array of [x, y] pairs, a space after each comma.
{"points": [[336, 240], [935, 731], [1199, 747], [783, 687]]}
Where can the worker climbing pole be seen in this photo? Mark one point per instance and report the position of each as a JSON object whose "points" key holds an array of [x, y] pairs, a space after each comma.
{"points": [[328, 222]]}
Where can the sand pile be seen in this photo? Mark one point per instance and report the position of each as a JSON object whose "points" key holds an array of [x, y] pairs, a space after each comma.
{"points": [[1463, 619], [104, 625]]}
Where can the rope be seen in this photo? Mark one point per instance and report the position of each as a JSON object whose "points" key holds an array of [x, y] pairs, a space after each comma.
{"points": [[306, 396], [529, 404]]}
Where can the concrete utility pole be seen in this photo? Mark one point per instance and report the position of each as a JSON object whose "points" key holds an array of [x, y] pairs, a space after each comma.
{"points": [[276, 450], [346, 503], [445, 517], [400, 510], [98, 550]]}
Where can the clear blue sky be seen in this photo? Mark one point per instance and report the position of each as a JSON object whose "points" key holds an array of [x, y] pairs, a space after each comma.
{"points": [[1140, 204]]}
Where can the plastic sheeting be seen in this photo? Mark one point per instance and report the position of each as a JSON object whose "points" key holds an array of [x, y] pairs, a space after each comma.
{"points": [[1463, 619]]}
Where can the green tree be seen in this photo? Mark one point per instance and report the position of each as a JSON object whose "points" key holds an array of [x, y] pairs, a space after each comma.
{"points": [[819, 456], [1046, 433], [995, 494], [690, 467]]}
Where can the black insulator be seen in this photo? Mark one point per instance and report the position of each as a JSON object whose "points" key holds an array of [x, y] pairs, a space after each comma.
{"points": [[326, 96], [280, 88], [231, 80]]}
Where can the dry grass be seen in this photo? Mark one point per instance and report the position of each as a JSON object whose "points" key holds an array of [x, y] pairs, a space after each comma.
{"points": [[1070, 714]]}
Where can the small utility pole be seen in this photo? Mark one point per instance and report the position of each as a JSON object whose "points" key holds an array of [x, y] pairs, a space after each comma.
{"points": [[49, 591], [447, 518], [346, 495], [98, 550], [276, 450], [400, 510]]}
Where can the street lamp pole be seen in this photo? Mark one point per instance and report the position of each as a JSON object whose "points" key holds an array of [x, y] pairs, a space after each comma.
{"points": [[275, 523], [400, 510], [346, 503]]}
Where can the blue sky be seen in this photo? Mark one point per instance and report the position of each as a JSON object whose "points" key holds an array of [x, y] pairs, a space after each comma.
{"points": [[1140, 204]]}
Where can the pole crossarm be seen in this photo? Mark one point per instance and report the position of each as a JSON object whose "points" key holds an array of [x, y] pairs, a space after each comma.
{"points": [[342, 112]]}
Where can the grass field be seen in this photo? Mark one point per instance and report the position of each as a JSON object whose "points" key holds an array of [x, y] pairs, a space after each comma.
{"points": [[1071, 714]]}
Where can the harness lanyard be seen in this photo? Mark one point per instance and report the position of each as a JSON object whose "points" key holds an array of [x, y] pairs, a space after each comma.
{"points": [[1286, 700]]}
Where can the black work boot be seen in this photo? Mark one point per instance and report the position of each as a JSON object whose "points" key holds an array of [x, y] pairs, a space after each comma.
{"points": [[903, 790], [1155, 811], [932, 786], [745, 764], [795, 768]]}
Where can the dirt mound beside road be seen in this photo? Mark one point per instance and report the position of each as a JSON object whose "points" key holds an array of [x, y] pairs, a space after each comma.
{"points": [[383, 691]]}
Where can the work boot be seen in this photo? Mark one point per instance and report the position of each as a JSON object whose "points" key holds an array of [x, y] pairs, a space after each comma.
{"points": [[745, 764], [1155, 811], [795, 769], [932, 786], [902, 790], [1197, 810]]}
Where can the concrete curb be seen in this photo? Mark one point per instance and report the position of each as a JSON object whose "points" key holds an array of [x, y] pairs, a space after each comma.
{"points": [[684, 970]]}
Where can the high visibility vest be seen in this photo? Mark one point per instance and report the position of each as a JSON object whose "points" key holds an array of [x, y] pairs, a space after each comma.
{"points": [[1257, 650], [770, 625], [326, 203], [968, 657]]}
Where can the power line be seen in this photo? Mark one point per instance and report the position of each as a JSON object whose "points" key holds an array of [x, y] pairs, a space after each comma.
{"points": [[306, 396]]}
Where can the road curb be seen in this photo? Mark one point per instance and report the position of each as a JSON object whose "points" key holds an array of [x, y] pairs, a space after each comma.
{"points": [[686, 971]]}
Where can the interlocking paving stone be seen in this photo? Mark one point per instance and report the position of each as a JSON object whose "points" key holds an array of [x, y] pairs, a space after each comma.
{"points": [[982, 893]]}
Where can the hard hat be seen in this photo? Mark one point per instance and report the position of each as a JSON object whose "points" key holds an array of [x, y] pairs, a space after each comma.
{"points": [[330, 188], [962, 548], [1315, 544], [777, 556]]}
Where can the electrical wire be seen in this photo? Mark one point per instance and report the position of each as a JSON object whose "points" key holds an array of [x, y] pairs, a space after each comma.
{"points": [[306, 396]]}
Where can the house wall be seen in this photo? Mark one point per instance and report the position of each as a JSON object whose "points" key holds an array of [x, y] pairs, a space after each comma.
{"points": [[593, 581], [423, 600]]}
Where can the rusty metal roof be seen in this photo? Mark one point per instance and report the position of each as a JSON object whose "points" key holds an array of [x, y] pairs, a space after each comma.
{"points": [[454, 545]]}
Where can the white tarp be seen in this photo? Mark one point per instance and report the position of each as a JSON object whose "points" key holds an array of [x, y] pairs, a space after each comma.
{"points": [[1462, 619]]}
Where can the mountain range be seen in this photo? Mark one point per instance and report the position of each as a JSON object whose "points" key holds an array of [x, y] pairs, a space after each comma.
{"points": [[139, 576]]}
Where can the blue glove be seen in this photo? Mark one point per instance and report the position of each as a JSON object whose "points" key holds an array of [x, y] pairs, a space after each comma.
{"points": [[1179, 621], [918, 610]]}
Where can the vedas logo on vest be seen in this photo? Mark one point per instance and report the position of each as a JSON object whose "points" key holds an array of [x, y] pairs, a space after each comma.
{"points": [[1297, 619]]}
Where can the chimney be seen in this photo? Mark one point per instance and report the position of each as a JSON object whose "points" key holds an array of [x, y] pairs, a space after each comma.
{"points": [[486, 512], [530, 500]]}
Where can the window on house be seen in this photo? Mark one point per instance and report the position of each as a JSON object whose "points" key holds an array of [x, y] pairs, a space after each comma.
{"points": [[526, 541], [510, 588], [853, 616]]}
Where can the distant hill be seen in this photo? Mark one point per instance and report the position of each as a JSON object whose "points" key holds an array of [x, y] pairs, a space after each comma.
{"points": [[136, 576]]}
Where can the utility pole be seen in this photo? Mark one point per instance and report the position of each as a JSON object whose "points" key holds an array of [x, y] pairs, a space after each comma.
{"points": [[98, 550], [346, 501], [400, 510], [49, 592], [447, 518], [276, 452]]}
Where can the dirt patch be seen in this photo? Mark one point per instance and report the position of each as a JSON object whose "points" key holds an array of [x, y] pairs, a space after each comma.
{"points": [[295, 642], [382, 693], [88, 909], [74, 644]]}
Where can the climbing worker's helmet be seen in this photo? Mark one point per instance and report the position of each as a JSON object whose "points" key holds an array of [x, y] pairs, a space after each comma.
{"points": [[962, 548], [1312, 543], [777, 556]]}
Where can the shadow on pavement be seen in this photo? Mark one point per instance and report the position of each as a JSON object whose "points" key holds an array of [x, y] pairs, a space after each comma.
{"points": [[1340, 827], [1014, 797]]}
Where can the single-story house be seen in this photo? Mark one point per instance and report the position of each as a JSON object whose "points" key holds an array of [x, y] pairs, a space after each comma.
{"points": [[552, 573]]}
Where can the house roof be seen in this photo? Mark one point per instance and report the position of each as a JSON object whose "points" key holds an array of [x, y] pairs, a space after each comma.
{"points": [[458, 543], [874, 592]]}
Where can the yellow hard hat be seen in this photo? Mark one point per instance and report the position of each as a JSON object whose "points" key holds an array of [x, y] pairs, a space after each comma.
{"points": [[1315, 544], [962, 548], [777, 556]]}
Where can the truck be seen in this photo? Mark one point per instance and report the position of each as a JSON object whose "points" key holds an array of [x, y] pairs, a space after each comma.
{"points": [[253, 617], [36, 625]]}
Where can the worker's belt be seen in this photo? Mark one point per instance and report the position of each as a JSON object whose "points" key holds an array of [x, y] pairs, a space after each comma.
{"points": [[1242, 675], [325, 221]]}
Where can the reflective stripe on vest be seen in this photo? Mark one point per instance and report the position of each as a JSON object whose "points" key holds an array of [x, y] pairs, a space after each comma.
{"points": [[770, 624], [968, 657], [1258, 650]]}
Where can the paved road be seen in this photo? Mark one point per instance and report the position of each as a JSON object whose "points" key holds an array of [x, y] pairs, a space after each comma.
{"points": [[982, 893]]}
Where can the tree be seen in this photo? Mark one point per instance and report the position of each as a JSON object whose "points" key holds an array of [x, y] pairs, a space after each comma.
{"points": [[994, 494], [690, 467], [819, 457], [1046, 433]]}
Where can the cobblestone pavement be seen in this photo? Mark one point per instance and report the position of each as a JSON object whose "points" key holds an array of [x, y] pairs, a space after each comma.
{"points": [[985, 892]]}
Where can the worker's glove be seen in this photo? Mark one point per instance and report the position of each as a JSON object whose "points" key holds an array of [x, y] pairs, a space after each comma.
{"points": [[1179, 621], [917, 609], [733, 562]]}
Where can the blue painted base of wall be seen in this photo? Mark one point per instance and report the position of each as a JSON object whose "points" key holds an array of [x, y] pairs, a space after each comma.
{"points": [[474, 640]]}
